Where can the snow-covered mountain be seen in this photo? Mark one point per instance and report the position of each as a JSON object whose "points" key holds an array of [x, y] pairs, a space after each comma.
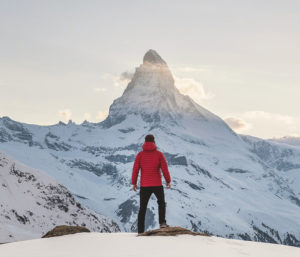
{"points": [[289, 140], [32, 203], [227, 184], [152, 96]]}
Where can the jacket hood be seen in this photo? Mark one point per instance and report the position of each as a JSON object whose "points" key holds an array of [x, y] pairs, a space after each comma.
{"points": [[149, 146]]}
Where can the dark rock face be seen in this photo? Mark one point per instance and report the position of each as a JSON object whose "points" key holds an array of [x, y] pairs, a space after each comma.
{"points": [[21, 218], [267, 234], [97, 168], [153, 57], [262, 236], [151, 118], [236, 170], [194, 186], [53, 142], [171, 231], [295, 200], [97, 151], [174, 159], [111, 121], [149, 218], [4, 136], [17, 132], [21, 175], [65, 230], [285, 166], [126, 209], [127, 130], [291, 240], [120, 158]]}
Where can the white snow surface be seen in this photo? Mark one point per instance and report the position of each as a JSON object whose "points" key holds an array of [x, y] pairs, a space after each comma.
{"points": [[32, 203], [231, 185], [129, 245]]}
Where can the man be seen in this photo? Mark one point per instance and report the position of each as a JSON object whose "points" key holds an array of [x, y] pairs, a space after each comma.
{"points": [[150, 161]]}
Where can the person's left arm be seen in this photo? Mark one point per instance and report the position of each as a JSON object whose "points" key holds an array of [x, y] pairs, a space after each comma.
{"points": [[135, 171], [164, 168]]}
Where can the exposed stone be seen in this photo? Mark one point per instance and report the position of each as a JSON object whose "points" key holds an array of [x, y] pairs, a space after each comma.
{"points": [[65, 230], [153, 57], [171, 231]]}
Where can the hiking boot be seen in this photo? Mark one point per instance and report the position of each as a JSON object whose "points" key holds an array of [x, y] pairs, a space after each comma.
{"points": [[164, 225]]}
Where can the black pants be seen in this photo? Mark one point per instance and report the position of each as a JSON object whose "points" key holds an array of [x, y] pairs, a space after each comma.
{"points": [[145, 193]]}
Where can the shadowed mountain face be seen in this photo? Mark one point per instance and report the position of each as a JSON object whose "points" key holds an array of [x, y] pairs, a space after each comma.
{"points": [[222, 183], [152, 57]]}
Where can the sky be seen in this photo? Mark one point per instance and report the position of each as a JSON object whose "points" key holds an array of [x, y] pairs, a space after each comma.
{"points": [[62, 60]]}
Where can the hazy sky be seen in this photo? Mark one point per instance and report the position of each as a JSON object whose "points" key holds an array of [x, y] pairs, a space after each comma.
{"points": [[63, 60]]}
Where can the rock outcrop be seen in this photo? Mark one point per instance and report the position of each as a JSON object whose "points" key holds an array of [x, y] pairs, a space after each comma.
{"points": [[171, 231], [65, 230]]}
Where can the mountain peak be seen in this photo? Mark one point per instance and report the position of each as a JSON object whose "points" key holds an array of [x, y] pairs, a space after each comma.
{"points": [[153, 57], [152, 95]]}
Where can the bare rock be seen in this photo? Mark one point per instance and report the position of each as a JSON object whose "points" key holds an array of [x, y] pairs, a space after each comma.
{"points": [[65, 230], [171, 231]]}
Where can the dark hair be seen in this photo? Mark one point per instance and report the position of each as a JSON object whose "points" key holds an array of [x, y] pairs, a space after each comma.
{"points": [[149, 138]]}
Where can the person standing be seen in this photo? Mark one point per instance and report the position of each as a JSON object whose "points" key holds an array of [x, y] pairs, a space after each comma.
{"points": [[150, 161]]}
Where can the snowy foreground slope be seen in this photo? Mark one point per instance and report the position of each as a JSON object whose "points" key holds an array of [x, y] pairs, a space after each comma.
{"points": [[32, 203], [230, 185], [128, 244]]}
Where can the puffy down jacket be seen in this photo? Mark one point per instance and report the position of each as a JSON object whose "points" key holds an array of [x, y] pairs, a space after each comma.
{"points": [[150, 161]]}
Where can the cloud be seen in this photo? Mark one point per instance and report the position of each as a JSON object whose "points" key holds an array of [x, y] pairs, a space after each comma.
{"points": [[289, 120], [87, 116], [101, 115], [126, 75], [123, 79], [105, 76], [66, 114], [264, 124], [100, 89], [237, 124], [294, 135], [119, 81], [191, 69], [192, 88]]}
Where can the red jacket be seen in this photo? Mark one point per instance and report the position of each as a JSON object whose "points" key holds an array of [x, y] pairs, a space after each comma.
{"points": [[150, 161]]}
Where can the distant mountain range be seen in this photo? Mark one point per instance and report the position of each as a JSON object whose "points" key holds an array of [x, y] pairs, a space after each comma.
{"points": [[289, 140], [232, 185]]}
